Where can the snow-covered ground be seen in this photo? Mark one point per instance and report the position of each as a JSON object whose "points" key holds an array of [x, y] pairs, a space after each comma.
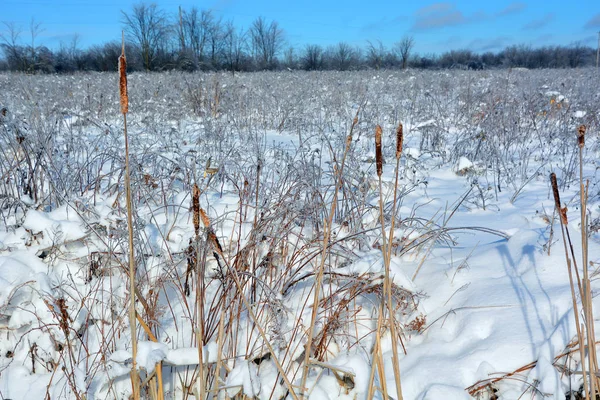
{"points": [[480, 283]]}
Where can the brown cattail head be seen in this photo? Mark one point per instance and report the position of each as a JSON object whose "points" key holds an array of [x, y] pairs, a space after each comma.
{"points": [[205, 219], [562, 211], [378, 152], [399, 140], [354, 123], [563, 215], [348, 141], [196, 208], [554, 185], [581, 136], [64, 315], [123, 81]]}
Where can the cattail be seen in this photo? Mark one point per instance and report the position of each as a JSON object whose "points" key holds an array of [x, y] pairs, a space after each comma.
{"points": [[378, 153], [563, 216], [212, 238], [348, 141], [64, 315], [196, 208], [581, 136], [554, 185], [192, 260], [399, 140], [561, 210], [205, 219], [123, 81]]}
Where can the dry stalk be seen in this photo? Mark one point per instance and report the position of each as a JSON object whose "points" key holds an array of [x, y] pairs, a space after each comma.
{"points": [[200, 214], [158, 367], [481, 385], [254, 225], [578, 326], [587, 295], [477, 388], [392, 320], [124, 100], [324, 250], [238, 285], [386, 250], [218, 251], [375, 359], [220, 337], [399, 143], [376, 364]]}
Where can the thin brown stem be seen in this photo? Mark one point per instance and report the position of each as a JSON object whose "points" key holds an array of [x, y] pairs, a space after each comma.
{"points": [[325, 247], [578, 327]]}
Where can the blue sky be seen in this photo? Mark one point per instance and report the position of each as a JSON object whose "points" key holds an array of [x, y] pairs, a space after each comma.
{"points": [[435, 26]]}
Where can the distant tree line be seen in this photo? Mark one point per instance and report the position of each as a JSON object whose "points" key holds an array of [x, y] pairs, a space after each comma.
{"points": [[196, 39]]}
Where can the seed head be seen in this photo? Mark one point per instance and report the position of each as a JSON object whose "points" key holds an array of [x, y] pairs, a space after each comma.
{"points": [[562, 211], [399, 141], [378, 152], [196, 208], [204, 217], [124, 99], [554, 185], [581, 136]]}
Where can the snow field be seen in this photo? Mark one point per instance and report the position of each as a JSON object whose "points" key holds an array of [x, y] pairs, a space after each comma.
{"points": [[481, 287]]}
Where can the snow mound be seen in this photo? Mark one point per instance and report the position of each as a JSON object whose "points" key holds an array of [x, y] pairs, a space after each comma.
{"points": [[62, 222], [243, 377]]}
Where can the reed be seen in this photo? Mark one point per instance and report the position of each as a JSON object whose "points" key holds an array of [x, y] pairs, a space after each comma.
{"points": [[386, 250], [585, 330], [587, 294], [378, 151], [563, 223], [124, 100], [391, 308]]}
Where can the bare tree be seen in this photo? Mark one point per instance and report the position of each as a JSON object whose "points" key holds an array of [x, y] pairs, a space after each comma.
{"points": [[343, 56], [181, 32], [267, 41], [45, 60], [215, 35], [203, 34], [375, 54], [75, 52], [13, 52], [313, 58], [234, 43], [290, 58], [403, 48], [102, 57], [147, 26], [190, 31], [576, 52], [35, 28]]}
